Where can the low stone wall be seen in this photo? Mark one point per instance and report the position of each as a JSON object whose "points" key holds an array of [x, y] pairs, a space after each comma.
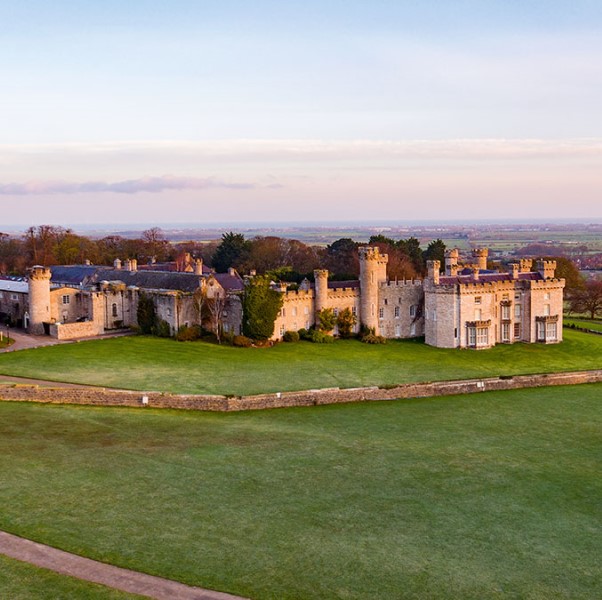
{"points": [[102, 397], [71, 331]]}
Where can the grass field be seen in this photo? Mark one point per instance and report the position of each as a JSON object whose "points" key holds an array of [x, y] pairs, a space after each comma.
{"points": [[20, 581], [489, 496], [585, 323], [145, 363]]}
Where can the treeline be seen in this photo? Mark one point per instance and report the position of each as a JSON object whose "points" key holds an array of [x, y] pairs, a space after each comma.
{"points": [[288, 260]]}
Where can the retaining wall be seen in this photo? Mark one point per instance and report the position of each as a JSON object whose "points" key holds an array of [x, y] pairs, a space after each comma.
{"points": [[104, 397]]}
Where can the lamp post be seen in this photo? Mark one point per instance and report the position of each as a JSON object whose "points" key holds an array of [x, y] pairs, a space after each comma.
{"points": [[7, 338]]}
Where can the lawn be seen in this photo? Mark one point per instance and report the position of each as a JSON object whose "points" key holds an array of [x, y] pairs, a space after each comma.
{"points": [[495, 495], [20, 581], [145, 363], [585, 323]]}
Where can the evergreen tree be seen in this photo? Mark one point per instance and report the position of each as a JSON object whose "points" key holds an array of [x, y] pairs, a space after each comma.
{"points": [[260, 305], [146, 314], [435, 251], [232, 250]]}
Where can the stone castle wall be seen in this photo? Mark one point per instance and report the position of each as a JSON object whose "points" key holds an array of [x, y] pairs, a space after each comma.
{"points": [[102, 397]]}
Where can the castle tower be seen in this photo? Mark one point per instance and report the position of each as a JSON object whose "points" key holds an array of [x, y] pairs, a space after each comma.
{"points": [[432, 270], [546, 268], [481, 255], [451, 262], [525, 265], [321, 290], [39, 299], [373, 272]]}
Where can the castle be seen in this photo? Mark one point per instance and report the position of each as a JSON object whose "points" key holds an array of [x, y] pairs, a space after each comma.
{"points": [[467, 306]]}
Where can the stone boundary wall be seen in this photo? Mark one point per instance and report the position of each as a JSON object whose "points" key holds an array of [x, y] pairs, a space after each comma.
{"points": [[71, 331], [105, 397]]}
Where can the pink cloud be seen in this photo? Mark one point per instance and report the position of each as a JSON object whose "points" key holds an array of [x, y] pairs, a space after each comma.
{"points": [[128, 186]]}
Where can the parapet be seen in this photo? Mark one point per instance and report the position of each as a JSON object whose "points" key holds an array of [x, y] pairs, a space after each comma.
{"points": [[372, 253], [37, 272]]}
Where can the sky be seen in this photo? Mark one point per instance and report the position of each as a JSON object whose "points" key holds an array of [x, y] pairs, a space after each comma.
{"points": [[232, 111]]}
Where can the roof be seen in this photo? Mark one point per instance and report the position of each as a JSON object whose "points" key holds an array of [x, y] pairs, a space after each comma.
{"points": [[353, 283], [155, 280], [79, 275], [487, 277], [231, 283], [171, 267], [13, 284]]}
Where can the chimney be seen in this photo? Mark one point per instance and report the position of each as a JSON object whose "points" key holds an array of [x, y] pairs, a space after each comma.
{"points": [[475, 272], [252, 273], [231, 271], [525, 265], [134, 264], [128, 264], [117, 264], [433, 267], [514, 270], [87, 262], [198, 266]]}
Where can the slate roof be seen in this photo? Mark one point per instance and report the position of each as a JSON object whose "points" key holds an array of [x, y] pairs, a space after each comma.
{"points": [[231, 283], [79, 275], [487, 277], [333, 285], [13, 284], [155, 280]]}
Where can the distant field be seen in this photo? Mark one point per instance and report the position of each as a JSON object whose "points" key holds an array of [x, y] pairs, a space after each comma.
{"points": [[20, 581], [145, 363], [486, 496]]}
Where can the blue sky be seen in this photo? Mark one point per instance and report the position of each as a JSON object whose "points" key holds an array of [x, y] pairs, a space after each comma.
{"points": [[240, 110]]}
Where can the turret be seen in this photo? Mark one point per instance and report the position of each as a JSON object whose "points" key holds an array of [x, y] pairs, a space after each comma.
{"points": [[481, 255], [546, 268], [321, 289], [373, 272], [451, 262], [39, 299], [514, 270], [525, 265], [432, 270]]}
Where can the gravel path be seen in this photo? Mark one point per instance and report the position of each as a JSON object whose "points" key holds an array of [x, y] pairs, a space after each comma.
{"points": [[125, 580]]}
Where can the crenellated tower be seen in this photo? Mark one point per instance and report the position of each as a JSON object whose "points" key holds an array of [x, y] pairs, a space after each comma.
{"points": [[481, 254], [373, 272], [321, 290], [39, 299]]}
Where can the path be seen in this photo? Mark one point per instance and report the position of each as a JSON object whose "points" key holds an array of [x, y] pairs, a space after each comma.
{"points": [[125, 580]]}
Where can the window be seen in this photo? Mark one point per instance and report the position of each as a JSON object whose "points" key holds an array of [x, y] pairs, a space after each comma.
{"points": [[472, 336], [307, 325], [353, 310], [505, 311], [66, 299], [114, 310], [551, 331], [372, 310], [294, 311], [306, 310], [381, 313], [482, 336], [505, 296], [477, 314], [517, 310], [505, 332], [282, 330], [477, 300], [517, 330], [283, 312], [546, 296], [541, 331], [386, 302], [397, 312], [546, 310], [397, 330], [413, 310]]}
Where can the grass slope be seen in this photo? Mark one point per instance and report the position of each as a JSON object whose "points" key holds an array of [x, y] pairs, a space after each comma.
{"points": [[20, 581], [489, 496], [595, 325], [145, 363]]}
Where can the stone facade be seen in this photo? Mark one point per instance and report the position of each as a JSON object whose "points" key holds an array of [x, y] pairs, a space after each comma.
{"points": [[467, 306]]}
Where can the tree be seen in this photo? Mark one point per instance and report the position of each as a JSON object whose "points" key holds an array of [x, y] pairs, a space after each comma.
{"points": [[155, 244], [216, 306], [231, 252], [342, 260], [326, 320], [588, 299], [434, 251], [260, 305], [567, 269], [146, 314], [346, 321]]}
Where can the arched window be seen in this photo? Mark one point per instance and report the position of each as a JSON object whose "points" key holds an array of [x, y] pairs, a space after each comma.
{"points": [[114, 309]]}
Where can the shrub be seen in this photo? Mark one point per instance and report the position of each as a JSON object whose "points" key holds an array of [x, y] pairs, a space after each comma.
{"points": [[290, 336], [242, 341], [326, 320], [319, 337], [188, 334], [346, 322], [305, 334], [162, 328], [371, 338]]}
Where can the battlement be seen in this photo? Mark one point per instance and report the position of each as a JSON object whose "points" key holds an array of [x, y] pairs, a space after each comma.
{"points": [[372, 253], [38, 273], [402, 283]]}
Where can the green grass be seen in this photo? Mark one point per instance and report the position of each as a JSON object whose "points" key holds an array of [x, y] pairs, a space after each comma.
{"points": [[20, 581], [145, 363], [585, 323], [495, 495]]}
